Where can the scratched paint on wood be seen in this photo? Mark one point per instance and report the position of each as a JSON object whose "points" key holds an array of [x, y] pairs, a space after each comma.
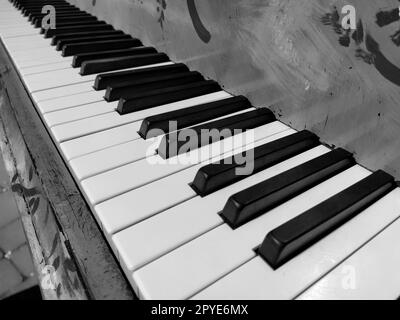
{"points": [[290, 55], [71, 254]]}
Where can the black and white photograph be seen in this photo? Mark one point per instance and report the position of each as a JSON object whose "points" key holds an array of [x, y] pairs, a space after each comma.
{"points": [[201, 155]]}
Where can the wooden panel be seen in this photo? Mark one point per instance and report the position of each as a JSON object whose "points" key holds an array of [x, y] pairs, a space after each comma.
{"points": [[290, 54], [55, 216]]}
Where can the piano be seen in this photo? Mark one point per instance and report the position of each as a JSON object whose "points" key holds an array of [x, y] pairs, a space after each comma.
{"points": [[174, 216]]}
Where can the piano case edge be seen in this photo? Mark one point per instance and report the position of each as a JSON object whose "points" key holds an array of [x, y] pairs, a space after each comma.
{"points": [[71, 256]]}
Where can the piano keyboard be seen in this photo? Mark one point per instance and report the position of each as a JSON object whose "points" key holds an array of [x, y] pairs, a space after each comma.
{"points": [[196, 229]]}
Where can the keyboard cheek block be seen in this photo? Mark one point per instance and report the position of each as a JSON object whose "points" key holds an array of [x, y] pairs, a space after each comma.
{"points": [[254, 201], [295, 236]]}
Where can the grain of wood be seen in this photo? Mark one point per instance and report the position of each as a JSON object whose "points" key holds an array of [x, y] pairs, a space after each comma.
{"points": [[62, 215]]}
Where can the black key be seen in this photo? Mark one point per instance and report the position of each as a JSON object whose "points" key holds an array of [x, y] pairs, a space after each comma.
{"points": [[68, 20], [139, 87], [37, 20], [186, 140], [37, 5], [109, 79], [53, 32], [293, 237], [38, 10], [33, 14], [118, 36], [216, 176], [34, 4], [163, 96], [82, 57], [81, 22], [73, 25], [27, 4], [75, 19], [193, 115], [71, 19], [89, 46], [59, 8], [38, 13], [110, 64], [68, 36], [256, 200]]}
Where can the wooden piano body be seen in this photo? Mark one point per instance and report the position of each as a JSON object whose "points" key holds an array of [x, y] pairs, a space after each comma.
{"points": [[59, 226], [284, 54]]}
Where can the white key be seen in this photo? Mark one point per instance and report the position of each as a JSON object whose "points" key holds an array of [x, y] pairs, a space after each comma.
{"points": [[37, 54], [167, 230], [8, 9], [114, 182], [15, 16], [13, 19], [63, 91], [7, 23], [372, 272], [99, 123], [27, 42], [83, 127], [99, 141], [41, 61], [11, 12], [79, 113], [115, 215], [196, 265], [18, 31], [9, 19], [53, 79], [70, 101], [163, 195], [45, 68], [107, 159], [178, 220], [22, 55], [73, 88], [256, 280]]}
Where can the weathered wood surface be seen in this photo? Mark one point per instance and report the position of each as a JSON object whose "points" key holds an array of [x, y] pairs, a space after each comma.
{"points": [[56, 271], [291, 55], [64, 237]]}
